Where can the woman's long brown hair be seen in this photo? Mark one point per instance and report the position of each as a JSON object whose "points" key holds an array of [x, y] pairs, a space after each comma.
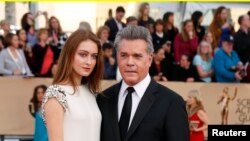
{"points": [[216, 24], [184, 33], [65, 73]]}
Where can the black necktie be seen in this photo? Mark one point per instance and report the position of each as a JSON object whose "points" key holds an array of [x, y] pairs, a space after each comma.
{"points": [[126, 112]]}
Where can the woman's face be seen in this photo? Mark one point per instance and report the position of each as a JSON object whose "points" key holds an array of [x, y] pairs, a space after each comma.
{"points": [[40, 94], [160, 55], [85, 58], [54, 23], [22, 35], [204, 48], [15, 42], [146, 10], [30, 19], [223, 14], [189, 27], [209, 38], [190, 100], [104, 35], [171, 19], [200, 19]]}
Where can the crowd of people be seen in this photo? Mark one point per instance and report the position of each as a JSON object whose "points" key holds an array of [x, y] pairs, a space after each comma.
{"points": [[194, 53]]}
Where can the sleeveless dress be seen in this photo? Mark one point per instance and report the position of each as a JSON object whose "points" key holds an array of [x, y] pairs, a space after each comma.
{"points": [[40, 133], [82, 117], [194, 120]]}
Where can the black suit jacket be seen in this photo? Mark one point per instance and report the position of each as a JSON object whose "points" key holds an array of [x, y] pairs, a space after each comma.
{"points": [[160, 116], [113, 28]]}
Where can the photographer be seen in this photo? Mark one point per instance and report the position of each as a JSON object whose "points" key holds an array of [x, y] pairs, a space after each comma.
{"points": [[226, 63]]}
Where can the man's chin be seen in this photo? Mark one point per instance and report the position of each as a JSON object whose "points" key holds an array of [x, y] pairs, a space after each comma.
{"points": [[131, 81]]}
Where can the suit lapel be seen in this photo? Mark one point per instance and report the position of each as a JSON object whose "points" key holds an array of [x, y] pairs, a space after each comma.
{"points": [[143, 107], [113, 107], [115, 27]]}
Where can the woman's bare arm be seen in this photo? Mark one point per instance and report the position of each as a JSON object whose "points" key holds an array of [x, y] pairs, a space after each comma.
{"points": [[54, 119]]}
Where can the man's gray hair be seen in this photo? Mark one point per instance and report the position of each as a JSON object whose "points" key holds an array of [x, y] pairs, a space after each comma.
{"points": [[133, 33]]}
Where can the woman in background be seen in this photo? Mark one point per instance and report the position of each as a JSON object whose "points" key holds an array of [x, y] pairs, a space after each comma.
{"points": [[28, 24], [56, 35], [12, 59], [209, 38], [144, 19], [203, 61], [36, 102], [186, 42], [160, 69], [197, 18], [221, 25], [44, 55], [170, 29], [27, 48], [198, 119]]}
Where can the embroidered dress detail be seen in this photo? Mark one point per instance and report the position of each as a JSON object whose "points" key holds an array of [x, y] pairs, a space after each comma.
{"points": [[57, 92]]}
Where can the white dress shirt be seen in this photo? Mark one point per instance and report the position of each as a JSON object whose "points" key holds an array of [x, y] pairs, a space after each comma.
{"points": [[140, 89], [119, 25]]}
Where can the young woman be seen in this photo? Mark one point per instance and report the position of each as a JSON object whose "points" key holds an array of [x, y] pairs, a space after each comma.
{"points": [[144, 19], [69, 106], [36, 102], [56, 35], [12, 59], [160, 69], [203, 61], [198, 119], [197, 18], [26, 47], [169, 28], [220, 25], [28, 24], [186, 42], [44, 55], [209, 38]]}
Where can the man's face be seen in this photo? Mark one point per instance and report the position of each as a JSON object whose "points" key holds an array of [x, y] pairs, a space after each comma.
{"points": [[119, 16], [246, 21], [227, 47], [133, 60]]}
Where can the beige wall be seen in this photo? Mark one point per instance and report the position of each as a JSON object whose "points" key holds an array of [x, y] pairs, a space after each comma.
{"points": [[15, 94]]}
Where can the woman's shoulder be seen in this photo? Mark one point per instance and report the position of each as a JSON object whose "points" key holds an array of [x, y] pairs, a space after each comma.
{"points": [[55, 91], [197, 59], [197, 56], [201, 112], [4, 51]]}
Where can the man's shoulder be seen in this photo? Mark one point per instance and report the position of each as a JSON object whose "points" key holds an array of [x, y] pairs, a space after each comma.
{"points": [[166, 93], [109, 21]]}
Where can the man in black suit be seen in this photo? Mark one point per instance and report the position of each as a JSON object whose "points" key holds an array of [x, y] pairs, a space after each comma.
{"points": [[138, 108], [116, 24]]}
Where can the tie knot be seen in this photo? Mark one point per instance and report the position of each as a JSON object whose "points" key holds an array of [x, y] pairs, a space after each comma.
{"points": [[130, 90]]}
